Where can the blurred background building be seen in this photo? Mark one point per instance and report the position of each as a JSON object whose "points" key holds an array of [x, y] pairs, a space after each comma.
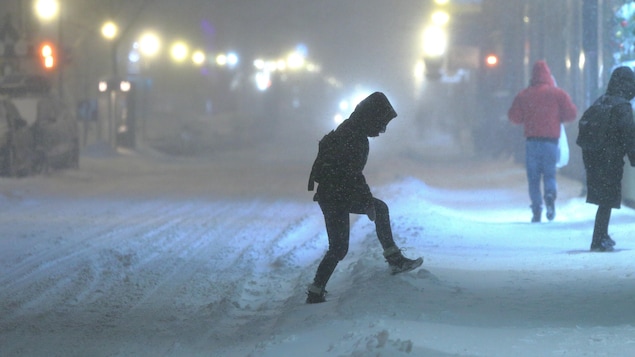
{"points": [[195, 76]]}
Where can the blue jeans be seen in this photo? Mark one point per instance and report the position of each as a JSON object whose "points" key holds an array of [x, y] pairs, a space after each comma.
{"points": [[541, 158]]}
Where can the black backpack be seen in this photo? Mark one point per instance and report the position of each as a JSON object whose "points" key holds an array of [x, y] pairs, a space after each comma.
{"points": [[594, 125], [324, 167]]}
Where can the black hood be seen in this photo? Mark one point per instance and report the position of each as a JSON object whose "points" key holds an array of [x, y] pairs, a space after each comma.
{"points": [[622, 83], [373, 113]]}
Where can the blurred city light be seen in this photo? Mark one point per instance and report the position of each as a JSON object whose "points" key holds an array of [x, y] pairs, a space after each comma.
{"points": [[259, 63], [280, 65], [581, 60], [295, 60], [440, 18], [149, 44], [232, 59], [198, 57], [47, 54], [344, 105], [221, 59], [435, 41], [47, 9], [125, 86], [338, 119], [348, 104], [134, 56], [109, 30], [491, 60], [263, 80], [179, 51]]}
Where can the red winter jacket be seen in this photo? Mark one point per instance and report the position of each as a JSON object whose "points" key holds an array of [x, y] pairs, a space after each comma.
{"points": [[542, 106]]}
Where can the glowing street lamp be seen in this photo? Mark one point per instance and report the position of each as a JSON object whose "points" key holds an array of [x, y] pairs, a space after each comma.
{"points": [[149, 44], [47, 9], [179, 51], [229, 59], [435, 41], [198, 57], [232, 59], [295, 60], [440, 18], [109, 30]]}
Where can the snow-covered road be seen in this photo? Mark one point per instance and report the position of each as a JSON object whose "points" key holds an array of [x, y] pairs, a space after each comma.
{"points": [[137, 254]]}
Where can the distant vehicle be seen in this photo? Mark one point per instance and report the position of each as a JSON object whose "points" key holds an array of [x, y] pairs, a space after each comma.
{"points": [[17, 147], [55, 133], [37, 133]]}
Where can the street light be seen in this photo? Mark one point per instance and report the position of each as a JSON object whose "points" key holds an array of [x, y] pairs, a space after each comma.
{"points": [[149, 44], [109, 30], [435, 41], [47, 10], [295, 60], [198, 57], [179, 51]]}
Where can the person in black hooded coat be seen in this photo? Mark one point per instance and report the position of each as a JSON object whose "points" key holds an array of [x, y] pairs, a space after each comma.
{"points": [[604, 166], [342, 190]]}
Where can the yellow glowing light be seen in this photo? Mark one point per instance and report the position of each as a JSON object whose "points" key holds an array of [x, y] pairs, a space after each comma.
{"points": [[149, 44], [179, 51], [435, 41], [440, 18], [47, 9], [109, 30], [491, 60], [198, 57]]}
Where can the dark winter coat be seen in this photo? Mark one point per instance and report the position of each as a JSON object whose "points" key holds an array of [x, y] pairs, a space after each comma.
{"points": [[542, 106], [346, 181], [605, 167]]}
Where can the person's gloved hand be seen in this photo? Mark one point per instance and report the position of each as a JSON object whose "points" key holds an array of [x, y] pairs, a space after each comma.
{"points": [[370, 212]]}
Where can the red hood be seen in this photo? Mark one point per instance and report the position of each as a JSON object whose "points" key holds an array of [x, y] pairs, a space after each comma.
{"points": [[541, 74]]}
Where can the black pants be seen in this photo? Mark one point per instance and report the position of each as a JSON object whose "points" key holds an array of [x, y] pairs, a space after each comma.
{"points": [[337, 220], [601, 227]]}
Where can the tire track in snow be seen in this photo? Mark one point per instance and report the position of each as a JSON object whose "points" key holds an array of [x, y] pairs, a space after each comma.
{"points": [[54, 268], [136, 259], [248, 306]]}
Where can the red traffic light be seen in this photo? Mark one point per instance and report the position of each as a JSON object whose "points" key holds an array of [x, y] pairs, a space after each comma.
{"points": [[47, 55]]}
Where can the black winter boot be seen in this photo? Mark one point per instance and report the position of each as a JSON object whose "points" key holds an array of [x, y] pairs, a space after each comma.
{"points": [[398, 263], [551, 206], [602, 243], [537, 214], [315, 294]]}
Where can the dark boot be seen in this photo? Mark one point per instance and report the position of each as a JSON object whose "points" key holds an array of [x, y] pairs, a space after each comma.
{"points": [[537, 214], [602, 243], [398, 263], [315, 295], [551, 206]]}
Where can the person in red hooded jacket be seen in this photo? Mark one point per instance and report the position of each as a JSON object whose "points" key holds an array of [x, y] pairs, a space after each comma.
{"points": [[541, 108]]}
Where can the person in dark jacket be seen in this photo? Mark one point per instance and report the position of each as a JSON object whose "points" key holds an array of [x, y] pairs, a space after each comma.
{"points": [[541, 108], [605, 166], [342, 189]]}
